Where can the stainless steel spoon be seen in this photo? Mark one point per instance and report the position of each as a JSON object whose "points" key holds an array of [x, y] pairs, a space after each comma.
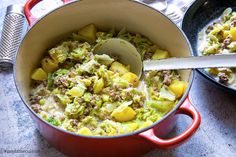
{"points": [[160, 5], [129, 55]]}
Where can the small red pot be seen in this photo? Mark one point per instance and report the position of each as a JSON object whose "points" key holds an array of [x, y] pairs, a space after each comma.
{"points": [[136, 17]]}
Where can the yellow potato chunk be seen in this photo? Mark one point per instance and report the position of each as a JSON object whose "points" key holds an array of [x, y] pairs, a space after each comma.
{"points": [[118, 67], [88, 33], [233, 33], [123, 114], [178, 88], [49, 65], [85, 131], [98, 86], [39, 74], [131, 78], [225, 33], [160, 54]]}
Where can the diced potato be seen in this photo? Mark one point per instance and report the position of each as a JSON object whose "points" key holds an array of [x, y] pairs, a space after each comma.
{"points": [[39, 75], [49, 65], [118, 67], [77, 91], [123, 114], [98, 86], [233, 33], [85, 131], [226, 33], [131, 78], [177, 87], [88, 33], [160, 54]]}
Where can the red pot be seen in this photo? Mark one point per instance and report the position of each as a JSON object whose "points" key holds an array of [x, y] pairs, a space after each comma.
{"points": [[104, 13]]}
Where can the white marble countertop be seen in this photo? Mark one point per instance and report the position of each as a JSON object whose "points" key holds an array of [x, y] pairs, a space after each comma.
{"points": [[215, 137]]}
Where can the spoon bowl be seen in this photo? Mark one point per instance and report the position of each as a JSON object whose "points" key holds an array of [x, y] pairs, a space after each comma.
{"points": [[124, 50]]}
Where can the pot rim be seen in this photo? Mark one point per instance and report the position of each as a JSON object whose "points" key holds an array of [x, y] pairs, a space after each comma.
{"points": [[105, 137]]}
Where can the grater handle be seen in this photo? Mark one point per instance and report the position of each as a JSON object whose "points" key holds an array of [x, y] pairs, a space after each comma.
{"points": [[27, 9]]}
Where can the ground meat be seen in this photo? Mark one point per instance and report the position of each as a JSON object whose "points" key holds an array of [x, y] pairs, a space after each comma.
{"points": [[35, 99], [226, 42], [90, 89], [233, 23], [126, 96], [86, 112], [115, 96], [137, 105], [148, 55], [72, 73], [91, 56], [223, 78], [93, 101], [81, 100], [209, 29], [36, 107], [167, 77], [77, 65], [61, 117], [74, 123], [62, 82], [107, 90]]}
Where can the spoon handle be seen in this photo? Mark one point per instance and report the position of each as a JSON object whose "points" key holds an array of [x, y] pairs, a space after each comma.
{"points": [[191, 62]]}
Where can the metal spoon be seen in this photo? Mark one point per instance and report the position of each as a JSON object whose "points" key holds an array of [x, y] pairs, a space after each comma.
{"points": [[160, 5], [129, 55]]}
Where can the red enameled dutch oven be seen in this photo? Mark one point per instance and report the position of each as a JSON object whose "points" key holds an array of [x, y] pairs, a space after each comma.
{"points": [[136, 17]]}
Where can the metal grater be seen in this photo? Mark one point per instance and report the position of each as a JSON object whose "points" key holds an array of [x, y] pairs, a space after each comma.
{"points": [[12, 32]]}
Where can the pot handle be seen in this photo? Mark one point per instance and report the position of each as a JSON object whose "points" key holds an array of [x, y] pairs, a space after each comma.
{"points": [[27, 9], [187, 109]]}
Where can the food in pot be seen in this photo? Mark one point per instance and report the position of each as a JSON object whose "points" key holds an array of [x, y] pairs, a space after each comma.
{"points": [[219, 37], [97, 95]]}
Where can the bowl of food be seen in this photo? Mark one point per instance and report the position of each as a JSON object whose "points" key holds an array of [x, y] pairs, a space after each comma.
{"points": [[210, 28], [87, 104]]}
